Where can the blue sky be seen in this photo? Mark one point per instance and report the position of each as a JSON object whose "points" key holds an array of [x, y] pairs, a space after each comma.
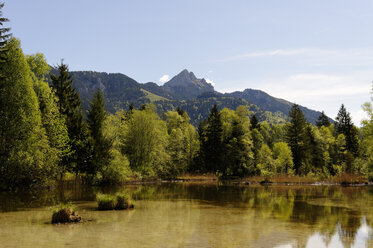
{"points": [[316, 53]]}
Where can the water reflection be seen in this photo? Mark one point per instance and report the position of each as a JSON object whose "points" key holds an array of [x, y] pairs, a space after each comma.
{"points": [[196, 215]]}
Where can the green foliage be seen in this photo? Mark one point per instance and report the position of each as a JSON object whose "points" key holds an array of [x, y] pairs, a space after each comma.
{"points": [[100, 144], [254, 122], [212, 146], [284, 158], [69, 106], [323, 120], [296, 137], [52, 121], [239, 158], [117, 170], [4, 38], [25, 155], [266, 164], [124, 201], [119, 201], [345, 126], [183, 142], [106, 202], [144, 143]]}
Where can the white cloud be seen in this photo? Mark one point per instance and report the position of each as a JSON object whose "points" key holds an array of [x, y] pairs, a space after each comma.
{"points": [[324, 91], [311, 56], [164, 79], [210, 81]]}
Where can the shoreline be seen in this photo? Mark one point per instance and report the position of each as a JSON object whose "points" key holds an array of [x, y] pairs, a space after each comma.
{"points": [[341, 180]]}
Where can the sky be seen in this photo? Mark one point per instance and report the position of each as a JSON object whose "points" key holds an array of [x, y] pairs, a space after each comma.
{"points": [[315, 53]]}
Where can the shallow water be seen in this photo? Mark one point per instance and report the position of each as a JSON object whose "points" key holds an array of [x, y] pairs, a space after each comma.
{"points": [[195, 215]]}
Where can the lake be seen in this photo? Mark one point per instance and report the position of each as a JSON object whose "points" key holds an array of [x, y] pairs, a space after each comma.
{"points": [[195, 215]]}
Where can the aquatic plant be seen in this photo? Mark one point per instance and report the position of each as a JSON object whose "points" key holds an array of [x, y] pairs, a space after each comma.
{"points": [[110, 202], [65, 213], [106, 202]]}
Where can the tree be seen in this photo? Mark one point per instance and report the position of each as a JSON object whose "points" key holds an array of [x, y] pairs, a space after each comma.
{"points": [[212, 147], [345, 126], [367, 130], [25, 155], [238, 155], [144, 143], [254, 122], [183, 142], [117, 170], [100, 144], [4, 38], [295, 135], [267, 165], [240, 158], [322, 120], [70, 108], [284, 158], [53, 122]]}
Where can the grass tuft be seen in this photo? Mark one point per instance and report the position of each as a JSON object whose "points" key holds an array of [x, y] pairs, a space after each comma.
{"points": [[110, 202]]}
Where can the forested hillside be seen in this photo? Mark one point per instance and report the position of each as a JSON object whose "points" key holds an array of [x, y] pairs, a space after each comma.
{"points": [[184, 90]]}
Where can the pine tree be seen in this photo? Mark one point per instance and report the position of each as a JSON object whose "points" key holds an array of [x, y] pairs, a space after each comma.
{"points": [[345, 126], [239, 158], [295, 135], [4, 37], [212, 144], [101, 145], [322, 120], [254, 122], [70, 108]]}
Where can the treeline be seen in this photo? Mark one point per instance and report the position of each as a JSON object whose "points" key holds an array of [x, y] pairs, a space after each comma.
{"points": [[45, 135]]}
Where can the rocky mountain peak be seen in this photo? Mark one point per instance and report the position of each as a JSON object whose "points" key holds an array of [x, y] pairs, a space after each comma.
{"points": [[187, 85]]}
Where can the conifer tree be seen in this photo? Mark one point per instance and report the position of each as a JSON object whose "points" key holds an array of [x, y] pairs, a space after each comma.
{"points": [[4, 37], [322, 120], [100, 144], [212, 144], [295, 135], [345, 126], [239, 158], [70, 108], [254, 122]]}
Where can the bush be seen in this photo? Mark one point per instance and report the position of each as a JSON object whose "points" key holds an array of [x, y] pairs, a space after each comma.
{"points": [[106, 202], [110, 202], [123, 201], [65, 213], [116, 172], [370, 177]]}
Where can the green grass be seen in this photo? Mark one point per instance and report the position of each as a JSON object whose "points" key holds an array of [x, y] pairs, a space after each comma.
{"points": [[110, 202], [153, 97], [65, 213], [106, 202], [123, 201]]}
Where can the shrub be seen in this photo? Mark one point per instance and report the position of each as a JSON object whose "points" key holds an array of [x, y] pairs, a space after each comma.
{"points": [[123, 201], [110, 202], [106, 202], [370, 177], [65, 213]]}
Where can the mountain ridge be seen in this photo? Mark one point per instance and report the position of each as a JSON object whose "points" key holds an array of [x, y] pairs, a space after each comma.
{"points": [[184, 90]]}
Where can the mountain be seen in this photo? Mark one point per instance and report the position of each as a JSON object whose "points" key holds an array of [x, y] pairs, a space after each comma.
{"points": [[186, 85], [272, 104], [185, 90]]}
